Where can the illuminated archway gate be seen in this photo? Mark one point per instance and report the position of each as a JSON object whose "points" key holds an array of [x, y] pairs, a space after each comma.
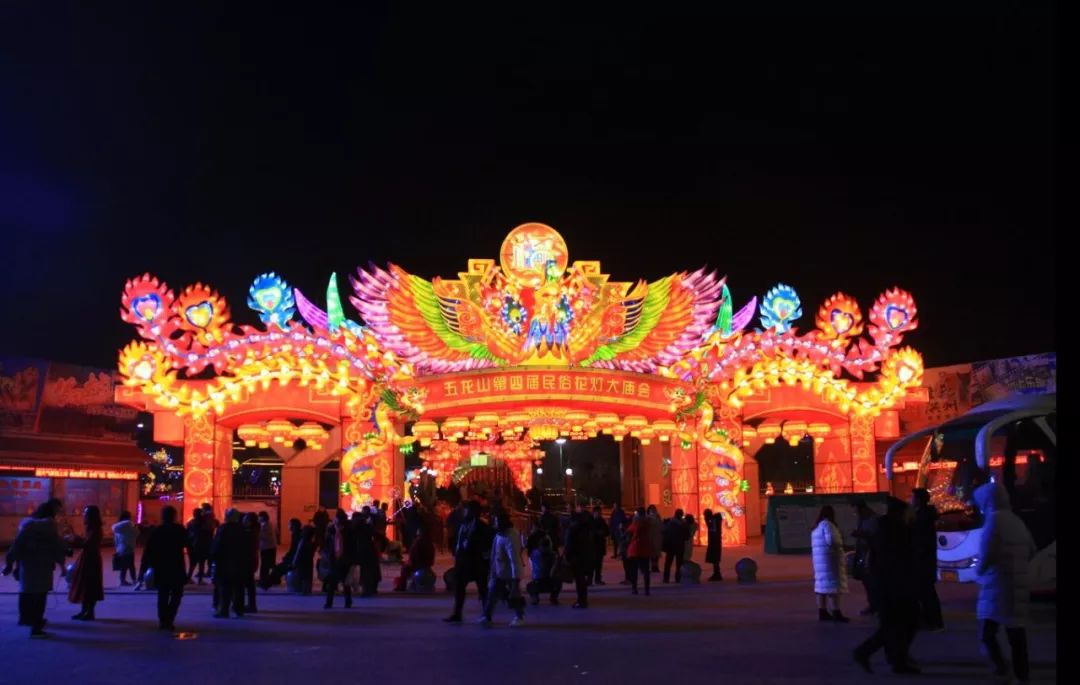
{"points": [[517, 348]]}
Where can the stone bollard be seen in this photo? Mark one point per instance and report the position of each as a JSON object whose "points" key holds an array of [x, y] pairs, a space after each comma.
{"points": [[691, 573], [746, 570]]}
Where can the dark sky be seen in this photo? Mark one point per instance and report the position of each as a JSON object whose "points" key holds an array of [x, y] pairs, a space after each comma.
{"points": [[912, 146]]}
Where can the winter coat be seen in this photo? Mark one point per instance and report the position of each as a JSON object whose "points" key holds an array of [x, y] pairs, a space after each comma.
{"points": [[165, 554], [267, 539], [506, 555], [124, 538], [580, 550], [675, 535], [422, 553], [231, 553], [600, 535], [87, 580], [716, 541], [1005, 550], [473, 544], [830, 576], [37, 549], [542, 562], [656, 533], [642, 537], [924, 545], [618, 522]]}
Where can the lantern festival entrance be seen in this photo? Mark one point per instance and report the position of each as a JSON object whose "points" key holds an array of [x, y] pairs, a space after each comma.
{"points": [[508, 354]]}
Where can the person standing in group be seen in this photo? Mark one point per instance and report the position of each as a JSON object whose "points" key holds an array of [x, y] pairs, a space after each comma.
{"points": [[250, 524], [542, 561], [1005, 550], [656, 530], [232, 554], [505, 571], [615, 529], [691, 531], [924, 549], [674, 540], [549, 523], [579, 552], [303, 562], [164, 554], [863, 534], [199, 542], [830, 576], [471, 551], [715, 542], [894, 595], [640, 551], [87, 581], [341, 545], [453, 522], [600, 536], [421, 558], [321, 521], [267, 549], [366, 554], [124, 542], [37, 550]]}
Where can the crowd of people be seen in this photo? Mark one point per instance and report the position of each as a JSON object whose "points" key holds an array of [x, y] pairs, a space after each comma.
{"points": [[895, 559]]}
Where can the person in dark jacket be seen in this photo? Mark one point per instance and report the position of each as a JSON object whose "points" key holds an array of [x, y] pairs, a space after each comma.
{"points": [[924, 548], [600, 536], [675, 535], [863, 534], [320, 521], [542, 561], [37, 550], [421, 557], [200, 539], [231, 553], [472, 551], [549, 523], [615, 529], [87, 581], [580, 550], [453, 522], [303, 562], [251, 525], [715, 545], [164, 554], [891, 566], [342, 548], [366, 553]]}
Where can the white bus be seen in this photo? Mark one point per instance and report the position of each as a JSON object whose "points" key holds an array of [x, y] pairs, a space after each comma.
{"points": [[1012, 441]]}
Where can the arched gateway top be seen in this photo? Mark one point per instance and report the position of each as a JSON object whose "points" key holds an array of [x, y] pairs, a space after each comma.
{"points": [[507, 354]]}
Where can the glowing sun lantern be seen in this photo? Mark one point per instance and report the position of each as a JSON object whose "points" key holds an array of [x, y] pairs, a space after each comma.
{"points": [[769, 431], [425, 432], [663, 429], [818, 431], [577, 420], [794, 431], [455, 427], [619, 431], [281, 431], [485, 423], [635, 424], [606, 422], [748, 435]]}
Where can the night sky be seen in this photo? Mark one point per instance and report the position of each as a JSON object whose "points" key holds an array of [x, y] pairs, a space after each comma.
{"points": [[831, 152]]}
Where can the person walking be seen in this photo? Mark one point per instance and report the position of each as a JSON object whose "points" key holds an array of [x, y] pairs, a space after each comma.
{"points": [[164, 554], [715, 542], [675, 536], [303, 562], [894, 595], [87, 580], [600, 535], [830, 576], [471, 556], [124, 541], [924, 549], [506, 571], [640, 551], [37, 550], [199, 541], [1005, 550], [366, 553], [615, 529], [267, 549], [549, 523], [342, 547], [863, 534], [231, 552], [579, 552]]}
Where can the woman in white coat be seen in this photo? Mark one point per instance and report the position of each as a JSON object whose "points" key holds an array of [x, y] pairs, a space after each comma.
{"points": [[830, 576], [1005, 550], [506, 570]]}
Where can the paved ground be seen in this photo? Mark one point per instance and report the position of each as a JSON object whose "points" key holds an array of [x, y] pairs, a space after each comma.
{"points": [[715, 632]]}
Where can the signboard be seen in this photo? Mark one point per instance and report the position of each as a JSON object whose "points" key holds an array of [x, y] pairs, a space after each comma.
{"points": [[19, 496], [791, 518], [626, 392], [89, 474]]}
